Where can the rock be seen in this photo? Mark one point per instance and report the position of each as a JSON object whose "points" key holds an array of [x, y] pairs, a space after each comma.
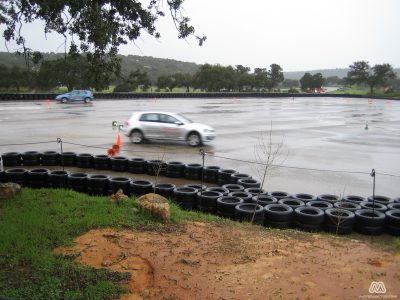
{"points": [[9, 190], [118, 197], [156, 204]]}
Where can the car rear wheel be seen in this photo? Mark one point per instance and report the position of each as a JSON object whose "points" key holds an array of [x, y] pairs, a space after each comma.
{"points": [[194, 139], [136, 137], [87, 100], [64, 100]]}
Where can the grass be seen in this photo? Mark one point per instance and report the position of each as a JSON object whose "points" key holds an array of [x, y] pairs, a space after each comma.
{"points": [[364, 91], [37, 221]]}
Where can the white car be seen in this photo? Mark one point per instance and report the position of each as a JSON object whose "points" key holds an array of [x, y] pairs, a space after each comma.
{"points": [[166, 126]]}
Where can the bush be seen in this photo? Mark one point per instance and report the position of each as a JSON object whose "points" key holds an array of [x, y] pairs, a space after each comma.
{"points": [[293, 90], [123, 88]]}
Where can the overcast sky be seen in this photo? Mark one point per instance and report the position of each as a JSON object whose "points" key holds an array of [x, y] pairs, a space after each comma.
{"points": [[296, 34]]}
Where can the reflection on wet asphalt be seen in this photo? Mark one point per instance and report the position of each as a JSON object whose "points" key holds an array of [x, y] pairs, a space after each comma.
{"points": [[318, 133]]}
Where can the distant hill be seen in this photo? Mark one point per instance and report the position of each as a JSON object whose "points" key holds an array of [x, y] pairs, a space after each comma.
{"points": [[325, 73]]}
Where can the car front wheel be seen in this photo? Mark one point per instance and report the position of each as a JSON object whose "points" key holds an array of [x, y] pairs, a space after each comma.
{"points": [[194, 139], [136, 137], [64, 100], [87, 100]]}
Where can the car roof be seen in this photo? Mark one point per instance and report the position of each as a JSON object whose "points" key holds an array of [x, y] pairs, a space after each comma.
{"points": [[156, 112]]}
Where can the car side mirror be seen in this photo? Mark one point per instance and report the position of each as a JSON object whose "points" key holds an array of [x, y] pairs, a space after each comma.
{"points": [[178, 123]]}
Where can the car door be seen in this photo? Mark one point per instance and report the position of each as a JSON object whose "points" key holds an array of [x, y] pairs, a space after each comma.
{"points": [[150, 125], [170, 127], [75, 95]]}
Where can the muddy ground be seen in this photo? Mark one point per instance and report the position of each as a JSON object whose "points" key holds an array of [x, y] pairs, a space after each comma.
{"points": [[230, 261]]}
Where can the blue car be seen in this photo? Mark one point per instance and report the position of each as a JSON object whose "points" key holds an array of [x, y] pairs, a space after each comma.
{"points": [[76, 95]]}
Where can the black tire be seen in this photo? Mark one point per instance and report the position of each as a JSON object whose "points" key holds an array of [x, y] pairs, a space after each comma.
{"points": [[223, 191], [396, 200], [141, 187], [50, 158], [369, 218], [155, 167], [193, 139], [249, 183], [87, 100], [278, 213], [12, 159], [117, 183], [307, 227], [278, 225], [293, 203], [373, 205], [84, 160], [101, 162], [196, 186], [119, 163], [233, 187], [64, 100], [136, 136], [309, 216], [37, 178], [31, 158], [280, 195], [68, 159], [210, 174], [395, 231], [175, 169], [78, 182], [304, 197], [393, 205], [193, 171], [137, 166], [17, 175], [98, 185], [368, 230], [393, 218], [338, 218], [350, 206], [264, 199], [185, 197], [246, 197], [328, 198], [226, 206], [354, 199], [245, 211], [255, 191], [2, 174], [236, 176], [165, 189], [207, 201], [224, 176], [319, 204], [339, 229], [58, 179], [380, 199]]}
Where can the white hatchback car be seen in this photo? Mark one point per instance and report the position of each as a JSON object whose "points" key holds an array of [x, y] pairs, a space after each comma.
{"points": [[166, 126]]}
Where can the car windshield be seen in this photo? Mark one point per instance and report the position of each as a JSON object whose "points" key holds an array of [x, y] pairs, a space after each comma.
{"points": [[186, 120]]}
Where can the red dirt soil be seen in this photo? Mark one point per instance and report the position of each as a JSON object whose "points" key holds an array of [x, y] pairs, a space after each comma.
{"points": [[226, 261]]}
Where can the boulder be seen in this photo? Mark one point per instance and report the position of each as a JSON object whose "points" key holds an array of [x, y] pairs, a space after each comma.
{"points": [[156, 204], [119, 197], [9, 190]]}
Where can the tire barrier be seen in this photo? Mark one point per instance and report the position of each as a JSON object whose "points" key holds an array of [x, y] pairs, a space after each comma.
{"points": [[278, 216], [12, 159], [207, 201], [68, 159], [78, 182], [58, 179], [37, 178], [154, 167], [245, 212], [339, 221], [226, 206], [165, 189], [308, 218], [245, 196], [232, 200], [101, 162], [141, 187], [193, 171], [31, 158], [369, 222], [84, 161], [236, 176], [175, 169], [97, 185], [392, 222], [50, 158], [210, 174], [17, 175], [119, 163], [249, 183], [185, 197], [224, 176], [137, 166]]}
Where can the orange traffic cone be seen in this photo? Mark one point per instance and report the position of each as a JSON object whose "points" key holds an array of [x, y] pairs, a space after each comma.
{"points": [[119, 140]]}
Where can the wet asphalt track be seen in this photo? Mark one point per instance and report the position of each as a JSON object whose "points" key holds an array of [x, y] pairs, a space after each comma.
{"points": [[316, 133]]}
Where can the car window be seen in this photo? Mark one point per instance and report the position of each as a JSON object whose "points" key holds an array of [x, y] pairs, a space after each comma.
{"points": [[149, 118], [167, 119]]}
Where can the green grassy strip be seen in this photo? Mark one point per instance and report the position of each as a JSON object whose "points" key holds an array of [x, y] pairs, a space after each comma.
{"points": [[33, 223]]}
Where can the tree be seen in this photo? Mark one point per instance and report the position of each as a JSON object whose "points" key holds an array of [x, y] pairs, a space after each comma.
{"points": [[361, 73], [138, 79], [183, 80], [311, 82], [260, 78], [242, 77], [99, 27], [274, 77], [290, 83]]}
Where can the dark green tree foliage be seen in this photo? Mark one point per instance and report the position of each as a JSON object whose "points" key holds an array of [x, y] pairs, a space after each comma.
{"points": [[99, 26], [243, 78], [311, 82], [290, 83], [361, 73], [183, 80], [275, 76]]}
